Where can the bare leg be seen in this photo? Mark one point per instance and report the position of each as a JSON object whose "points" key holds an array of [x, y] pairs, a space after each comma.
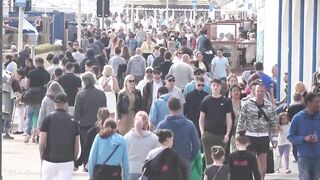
{"points": [[262, 164]]}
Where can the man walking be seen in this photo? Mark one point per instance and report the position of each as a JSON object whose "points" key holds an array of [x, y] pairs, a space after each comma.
{"points": [[220, 66], [186, 141], [304, 131], [193, 102], [137, 65], [182, 71], [215, 120], [88, 101], [257, 120], [59, 142]]}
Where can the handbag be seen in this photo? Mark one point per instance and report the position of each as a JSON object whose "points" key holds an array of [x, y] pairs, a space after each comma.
{"points": [[33, 95], [270, 161], [110, 172]]}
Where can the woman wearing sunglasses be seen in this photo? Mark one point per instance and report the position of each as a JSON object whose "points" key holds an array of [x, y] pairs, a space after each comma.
{"points": [[129, 103]]}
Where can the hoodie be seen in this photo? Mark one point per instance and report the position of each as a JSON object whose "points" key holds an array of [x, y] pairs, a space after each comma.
{"points": [[103, 147], [144, 143], [159, 109], [185, 141]]}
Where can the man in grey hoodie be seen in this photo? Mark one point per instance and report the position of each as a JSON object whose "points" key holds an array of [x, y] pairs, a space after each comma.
{"points": [[137, 66]]}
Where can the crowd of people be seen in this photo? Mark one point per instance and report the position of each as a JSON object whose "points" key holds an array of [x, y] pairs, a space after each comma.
{"points": [[145, 105]]}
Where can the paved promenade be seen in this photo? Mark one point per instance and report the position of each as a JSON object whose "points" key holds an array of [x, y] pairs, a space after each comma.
{"points": [[21, 162]]}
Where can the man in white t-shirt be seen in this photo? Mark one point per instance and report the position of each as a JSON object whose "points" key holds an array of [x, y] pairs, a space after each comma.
{"points": [[220, 66]]}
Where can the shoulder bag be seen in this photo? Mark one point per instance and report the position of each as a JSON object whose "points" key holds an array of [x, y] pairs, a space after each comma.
{"points": [[110, 172]]}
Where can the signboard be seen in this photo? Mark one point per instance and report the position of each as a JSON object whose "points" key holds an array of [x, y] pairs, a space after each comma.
{"points": [[21, 3]]}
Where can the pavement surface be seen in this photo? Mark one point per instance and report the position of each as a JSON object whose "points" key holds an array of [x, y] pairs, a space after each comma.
{"points": [[21, 162]]}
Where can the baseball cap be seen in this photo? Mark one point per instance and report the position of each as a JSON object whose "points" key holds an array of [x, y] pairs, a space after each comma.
{"points": [[60, 98], [169, 77], [149, 69]]}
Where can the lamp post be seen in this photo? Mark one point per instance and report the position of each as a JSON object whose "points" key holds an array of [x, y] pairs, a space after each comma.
{"points": [[79, 23], [132, 16], [167, 12], [1, 39]]}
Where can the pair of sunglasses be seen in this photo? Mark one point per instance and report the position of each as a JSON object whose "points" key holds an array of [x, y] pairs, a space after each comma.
{"points": [[131, 81], [202, 85]]}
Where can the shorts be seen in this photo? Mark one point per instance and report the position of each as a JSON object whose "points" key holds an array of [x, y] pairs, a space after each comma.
{"points": [[259, 145]]}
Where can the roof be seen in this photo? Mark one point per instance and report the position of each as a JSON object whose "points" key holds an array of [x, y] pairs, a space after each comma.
{"points": [[172, 3]]}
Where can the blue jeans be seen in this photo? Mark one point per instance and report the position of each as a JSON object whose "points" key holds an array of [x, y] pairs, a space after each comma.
{"points": [[8, 121], [31, 109], [309, 169]]}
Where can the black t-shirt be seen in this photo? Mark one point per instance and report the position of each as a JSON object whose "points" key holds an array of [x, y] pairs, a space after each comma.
{"points": [[295, 109], [61, 132], [216, 110], [243, 164], [164, 68], [213, 170], [70, 83], [38, 77]]}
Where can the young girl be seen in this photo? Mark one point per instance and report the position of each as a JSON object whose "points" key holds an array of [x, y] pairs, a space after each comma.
{"points": [[283, 142], [217, 171]]}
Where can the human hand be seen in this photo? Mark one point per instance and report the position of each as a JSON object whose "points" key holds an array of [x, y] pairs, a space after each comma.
{"points": [[311, 139], [226, 138]]}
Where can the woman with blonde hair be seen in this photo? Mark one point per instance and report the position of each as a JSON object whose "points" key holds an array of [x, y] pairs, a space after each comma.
{"points": [[301, 89], [129, 103], [109, 154], [47, 106], [140, 138], [110, 86], [102, 116]]}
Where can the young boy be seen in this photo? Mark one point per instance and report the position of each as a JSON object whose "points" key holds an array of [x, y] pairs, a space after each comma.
{"points": [[242, 163]]}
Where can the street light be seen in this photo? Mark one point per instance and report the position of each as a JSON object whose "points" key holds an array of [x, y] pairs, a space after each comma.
{"points": [[1, 39]]}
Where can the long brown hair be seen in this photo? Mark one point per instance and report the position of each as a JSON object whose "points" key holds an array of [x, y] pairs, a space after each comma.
{"points": [[102, 116], [109, 128]]}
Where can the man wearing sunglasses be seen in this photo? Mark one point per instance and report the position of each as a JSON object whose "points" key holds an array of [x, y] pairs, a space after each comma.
{"points": [[151, 88], [198, 73], [174, 91], [193, 102], [148, 76]]}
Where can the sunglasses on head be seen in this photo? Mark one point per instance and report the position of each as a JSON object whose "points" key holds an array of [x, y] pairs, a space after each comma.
{"points": [[202, 85], [131, 81]]}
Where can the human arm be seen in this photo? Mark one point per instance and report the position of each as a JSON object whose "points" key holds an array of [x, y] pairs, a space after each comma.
{"points": [[213, 67], [93, 156], [128, 67], [294, 135], [42, 144], [77, 109], [241, 126], [229, 127], [194, 141], [76, 147], [201, 122], [153, 114], [42, 114], [115, 84], [125, 162]]}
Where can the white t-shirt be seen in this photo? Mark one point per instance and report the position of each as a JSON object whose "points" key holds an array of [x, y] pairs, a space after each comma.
{"points": [[155, 88], [283, 134], [221, 66]]}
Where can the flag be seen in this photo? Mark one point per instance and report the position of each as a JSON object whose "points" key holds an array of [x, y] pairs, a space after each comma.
{"points": [[29, 27]]}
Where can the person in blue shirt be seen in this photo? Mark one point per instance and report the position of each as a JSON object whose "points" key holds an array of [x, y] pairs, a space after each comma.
{"points": [[198, 73], [186, 141], [159, 108], [104, 144], [304, 131]]}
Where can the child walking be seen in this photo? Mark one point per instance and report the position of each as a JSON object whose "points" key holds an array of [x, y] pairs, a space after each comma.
{"points": [[243, 164], [283, 143], [217, 171]]}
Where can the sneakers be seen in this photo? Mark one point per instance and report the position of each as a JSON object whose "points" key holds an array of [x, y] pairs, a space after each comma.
{"points": [[8, 137], [27, 139], [288, 171], [18, 132]]}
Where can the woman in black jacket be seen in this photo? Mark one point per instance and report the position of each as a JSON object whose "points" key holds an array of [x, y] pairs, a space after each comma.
{"points": [[164, 163], [129, 103]]}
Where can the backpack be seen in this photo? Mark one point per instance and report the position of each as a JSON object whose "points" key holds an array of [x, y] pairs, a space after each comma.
{"points": [[106, 86]]}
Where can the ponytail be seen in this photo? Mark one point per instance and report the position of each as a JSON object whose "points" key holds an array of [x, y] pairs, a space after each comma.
{"points": [[108, 129]]}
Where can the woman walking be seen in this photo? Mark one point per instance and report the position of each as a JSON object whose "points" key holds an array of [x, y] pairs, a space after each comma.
{"points": [[108, 156], [129, 103], [140, 138]]}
